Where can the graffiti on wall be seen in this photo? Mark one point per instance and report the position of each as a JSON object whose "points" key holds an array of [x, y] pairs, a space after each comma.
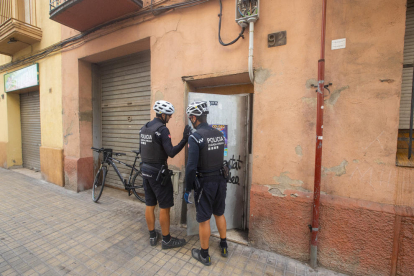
{"points": [[234, 165]]}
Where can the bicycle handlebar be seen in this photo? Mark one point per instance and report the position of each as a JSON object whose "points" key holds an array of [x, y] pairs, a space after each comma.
{"points": [[114, 153]]}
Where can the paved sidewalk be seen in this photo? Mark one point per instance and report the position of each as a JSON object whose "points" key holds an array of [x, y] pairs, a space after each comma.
{"points": [[48, 230]]}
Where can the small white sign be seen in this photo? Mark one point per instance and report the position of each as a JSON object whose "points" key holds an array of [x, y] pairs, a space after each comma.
{"points": [[338, 44], [23, 78]]}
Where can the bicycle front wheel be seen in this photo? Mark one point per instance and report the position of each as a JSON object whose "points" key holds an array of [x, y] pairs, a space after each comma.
{"points": [[138, 189], [98, 184]]}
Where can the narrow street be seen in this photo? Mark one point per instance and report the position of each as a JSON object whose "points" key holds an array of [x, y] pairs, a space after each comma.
{"points": [[49, 230]]}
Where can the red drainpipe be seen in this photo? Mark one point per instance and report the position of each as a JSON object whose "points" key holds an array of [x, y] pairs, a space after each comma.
{"points": [[319, 140]]}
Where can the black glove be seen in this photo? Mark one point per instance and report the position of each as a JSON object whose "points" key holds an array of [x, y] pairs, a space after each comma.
{"points": [[187, 132]]}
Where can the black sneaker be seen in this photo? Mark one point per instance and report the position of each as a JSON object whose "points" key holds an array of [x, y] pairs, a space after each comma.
{"points": [[224, 251], [173, 243], [154, 241], [197, 255]]}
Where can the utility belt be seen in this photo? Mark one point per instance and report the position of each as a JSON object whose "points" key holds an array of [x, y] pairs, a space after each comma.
{"points": [[163, 174], [215, 173], [224, 171], [197, 185]]}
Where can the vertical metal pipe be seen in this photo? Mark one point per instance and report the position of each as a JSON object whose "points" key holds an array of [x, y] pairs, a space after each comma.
{"points": [[410, 141], [251, 46], [319, 140]]}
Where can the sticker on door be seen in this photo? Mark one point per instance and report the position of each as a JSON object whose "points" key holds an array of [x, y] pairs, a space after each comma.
{"points": [[223, 129]]}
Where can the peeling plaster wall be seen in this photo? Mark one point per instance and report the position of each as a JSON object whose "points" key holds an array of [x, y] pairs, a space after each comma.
{"points": [[361, 112], [356, 236]]}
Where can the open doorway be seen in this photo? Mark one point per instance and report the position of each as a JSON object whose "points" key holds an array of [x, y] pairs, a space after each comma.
{"points": [[230, 112]]}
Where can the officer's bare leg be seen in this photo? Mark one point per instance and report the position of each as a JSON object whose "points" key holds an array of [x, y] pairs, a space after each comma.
{"points": [[221, 225], [150, 217], [165, 221], [204, 232]]}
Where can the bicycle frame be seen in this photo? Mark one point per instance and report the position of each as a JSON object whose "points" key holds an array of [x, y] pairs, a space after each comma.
{"points": [[109, 160]]}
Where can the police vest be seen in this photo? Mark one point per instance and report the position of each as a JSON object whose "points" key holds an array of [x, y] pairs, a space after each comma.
{"points": [[151, 151], [212, 155]]}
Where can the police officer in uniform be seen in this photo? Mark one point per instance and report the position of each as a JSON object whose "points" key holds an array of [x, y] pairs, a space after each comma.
{"points": [[204, 175], [155, 148]]}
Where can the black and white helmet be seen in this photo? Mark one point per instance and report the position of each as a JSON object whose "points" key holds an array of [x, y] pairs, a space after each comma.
{"points": [[163, 107], [197, 108]]}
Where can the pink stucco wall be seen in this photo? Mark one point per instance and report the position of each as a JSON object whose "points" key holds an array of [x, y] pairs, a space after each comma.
{"points": [[361, 113]]}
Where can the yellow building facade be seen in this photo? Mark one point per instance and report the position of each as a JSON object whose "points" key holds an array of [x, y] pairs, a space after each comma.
{"points": [[30, 113]]}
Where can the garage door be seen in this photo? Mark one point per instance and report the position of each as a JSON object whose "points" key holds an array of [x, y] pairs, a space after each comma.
{"points": [[126, 92], [30, 123]]}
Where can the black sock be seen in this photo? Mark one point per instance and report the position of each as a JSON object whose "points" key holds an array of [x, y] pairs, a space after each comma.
{"points": [[153, 234], [204, 252], [223, 242], [166, 238]]}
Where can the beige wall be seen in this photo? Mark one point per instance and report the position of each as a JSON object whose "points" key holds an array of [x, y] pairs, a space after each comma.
{"points": [[14, 145], [361, 114], [3, 112], [50, 78], [3, 116]]}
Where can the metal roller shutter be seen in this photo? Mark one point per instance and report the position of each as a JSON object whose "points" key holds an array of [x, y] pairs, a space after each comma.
{"points": [[406, 87], [30, 124], [126, 93]]}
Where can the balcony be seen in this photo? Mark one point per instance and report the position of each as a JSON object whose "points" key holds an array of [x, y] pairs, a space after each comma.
{"points": [[18, 27], [83, 15]]}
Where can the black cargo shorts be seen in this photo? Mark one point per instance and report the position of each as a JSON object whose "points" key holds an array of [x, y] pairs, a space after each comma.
{"points": [[154, 192], [212, 199]]}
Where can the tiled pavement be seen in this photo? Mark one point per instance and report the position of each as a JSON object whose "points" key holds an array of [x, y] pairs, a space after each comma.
{"points": [[48, 230]]}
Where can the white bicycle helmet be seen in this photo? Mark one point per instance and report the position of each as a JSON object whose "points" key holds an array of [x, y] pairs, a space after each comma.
{"points": [[197, 108], [163, 107]]}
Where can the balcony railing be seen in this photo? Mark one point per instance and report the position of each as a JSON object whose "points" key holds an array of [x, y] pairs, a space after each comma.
{"points": [[55, 3]]}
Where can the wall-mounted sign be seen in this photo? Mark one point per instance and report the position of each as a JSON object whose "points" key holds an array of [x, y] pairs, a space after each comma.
{"points": [[338, 44], [213, 103], [23, 78], [223, 129]]}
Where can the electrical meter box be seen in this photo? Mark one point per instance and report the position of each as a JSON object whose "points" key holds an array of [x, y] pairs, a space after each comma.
{"points": [[247, 11]]}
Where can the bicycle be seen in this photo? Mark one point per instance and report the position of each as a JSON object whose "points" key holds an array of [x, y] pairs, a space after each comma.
{"points": [[99, 181]]}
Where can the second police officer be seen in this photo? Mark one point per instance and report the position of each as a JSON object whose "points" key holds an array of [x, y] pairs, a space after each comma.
{"points": [[204, 175], [155, 148]]}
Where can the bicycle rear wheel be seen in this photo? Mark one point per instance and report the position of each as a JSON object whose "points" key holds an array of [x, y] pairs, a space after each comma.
{"points": [[98, 184], [139, 187]]}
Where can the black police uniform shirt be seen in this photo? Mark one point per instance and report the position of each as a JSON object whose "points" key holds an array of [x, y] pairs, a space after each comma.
{"points": [[197, 143], [162, 137]]}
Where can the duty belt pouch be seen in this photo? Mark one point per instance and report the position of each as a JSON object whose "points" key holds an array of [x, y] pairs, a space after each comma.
{"points": [[164, 175], [149, 172], [167, 177], [226, 171]]}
